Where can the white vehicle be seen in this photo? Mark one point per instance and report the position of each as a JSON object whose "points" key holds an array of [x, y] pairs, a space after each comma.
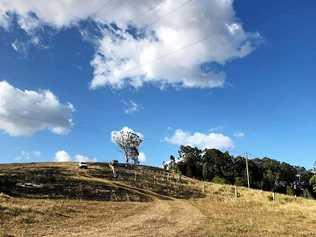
{"points": [[83, 165]]}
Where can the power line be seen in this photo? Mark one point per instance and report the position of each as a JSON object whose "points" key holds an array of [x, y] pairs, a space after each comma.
{"points": [[150, 9], [159, 58], [167, 14]]}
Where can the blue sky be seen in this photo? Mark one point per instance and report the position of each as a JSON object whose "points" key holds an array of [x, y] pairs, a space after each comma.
{"points": [[263, 105]]}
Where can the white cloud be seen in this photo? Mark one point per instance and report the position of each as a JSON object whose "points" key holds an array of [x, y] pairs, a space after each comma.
{"points": [[82, 158], [142, 157], [25, 112], [62, 156], [239, 134], [174, 40], [201, 140], [27, 156], [131, 107]]}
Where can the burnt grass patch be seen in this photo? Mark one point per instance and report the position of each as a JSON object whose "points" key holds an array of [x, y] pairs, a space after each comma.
{"points": [[152, 179], [59, 183], [134, 183]]}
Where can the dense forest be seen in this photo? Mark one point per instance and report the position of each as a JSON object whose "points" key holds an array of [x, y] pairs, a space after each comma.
{"points": [[266, 174]]}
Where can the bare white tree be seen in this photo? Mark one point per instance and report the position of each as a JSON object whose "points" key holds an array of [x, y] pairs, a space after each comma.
{"points": [[129, 141]]}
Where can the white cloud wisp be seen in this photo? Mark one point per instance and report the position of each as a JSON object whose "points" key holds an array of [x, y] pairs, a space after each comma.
{"points": [[131, 107]]}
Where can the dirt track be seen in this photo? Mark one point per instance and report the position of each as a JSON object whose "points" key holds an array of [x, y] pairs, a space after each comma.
{"points": [[163, 218]]}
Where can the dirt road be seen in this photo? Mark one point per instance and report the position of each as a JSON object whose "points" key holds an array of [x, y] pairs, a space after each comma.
{"points": [[162, 218]]}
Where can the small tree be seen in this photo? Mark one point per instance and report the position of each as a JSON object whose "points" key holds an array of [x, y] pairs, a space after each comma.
{"points": [[129, 141]]}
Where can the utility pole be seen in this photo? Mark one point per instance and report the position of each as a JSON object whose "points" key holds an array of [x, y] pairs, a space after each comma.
{"points": [[247, 170]]}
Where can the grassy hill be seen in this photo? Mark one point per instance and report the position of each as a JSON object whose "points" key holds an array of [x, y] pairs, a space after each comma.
{"points": [[58, 199]]}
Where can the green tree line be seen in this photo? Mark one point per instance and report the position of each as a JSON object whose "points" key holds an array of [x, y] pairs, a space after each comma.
{"points": [[265, 173]]}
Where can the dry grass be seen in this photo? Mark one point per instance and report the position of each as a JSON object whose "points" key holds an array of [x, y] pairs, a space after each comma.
{"points": [[154, 205], [255, 214]]}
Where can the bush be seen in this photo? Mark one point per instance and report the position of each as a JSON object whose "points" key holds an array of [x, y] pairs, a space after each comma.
{"points": [[219, 180], [239, 181], [289, 191]]}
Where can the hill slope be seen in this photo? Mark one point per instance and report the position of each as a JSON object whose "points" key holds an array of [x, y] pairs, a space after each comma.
{"points": [[52, 199]]}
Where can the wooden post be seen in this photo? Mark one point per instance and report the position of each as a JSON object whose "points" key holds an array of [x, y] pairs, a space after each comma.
{"points": [[114, 175], [273, 196], [236, 193]]}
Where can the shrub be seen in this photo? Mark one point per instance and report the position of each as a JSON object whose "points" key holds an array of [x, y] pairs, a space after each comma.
{"points": [[289, 191], [239, 181], [219, 180]]}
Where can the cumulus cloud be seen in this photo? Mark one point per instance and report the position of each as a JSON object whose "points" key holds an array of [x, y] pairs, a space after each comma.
{"points": [[201, 140], [24, 112], [63, 156], [172, 51], [163, 42]]}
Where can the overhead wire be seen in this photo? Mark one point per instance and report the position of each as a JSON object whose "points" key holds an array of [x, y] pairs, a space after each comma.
{"points": [[160, 57]]}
